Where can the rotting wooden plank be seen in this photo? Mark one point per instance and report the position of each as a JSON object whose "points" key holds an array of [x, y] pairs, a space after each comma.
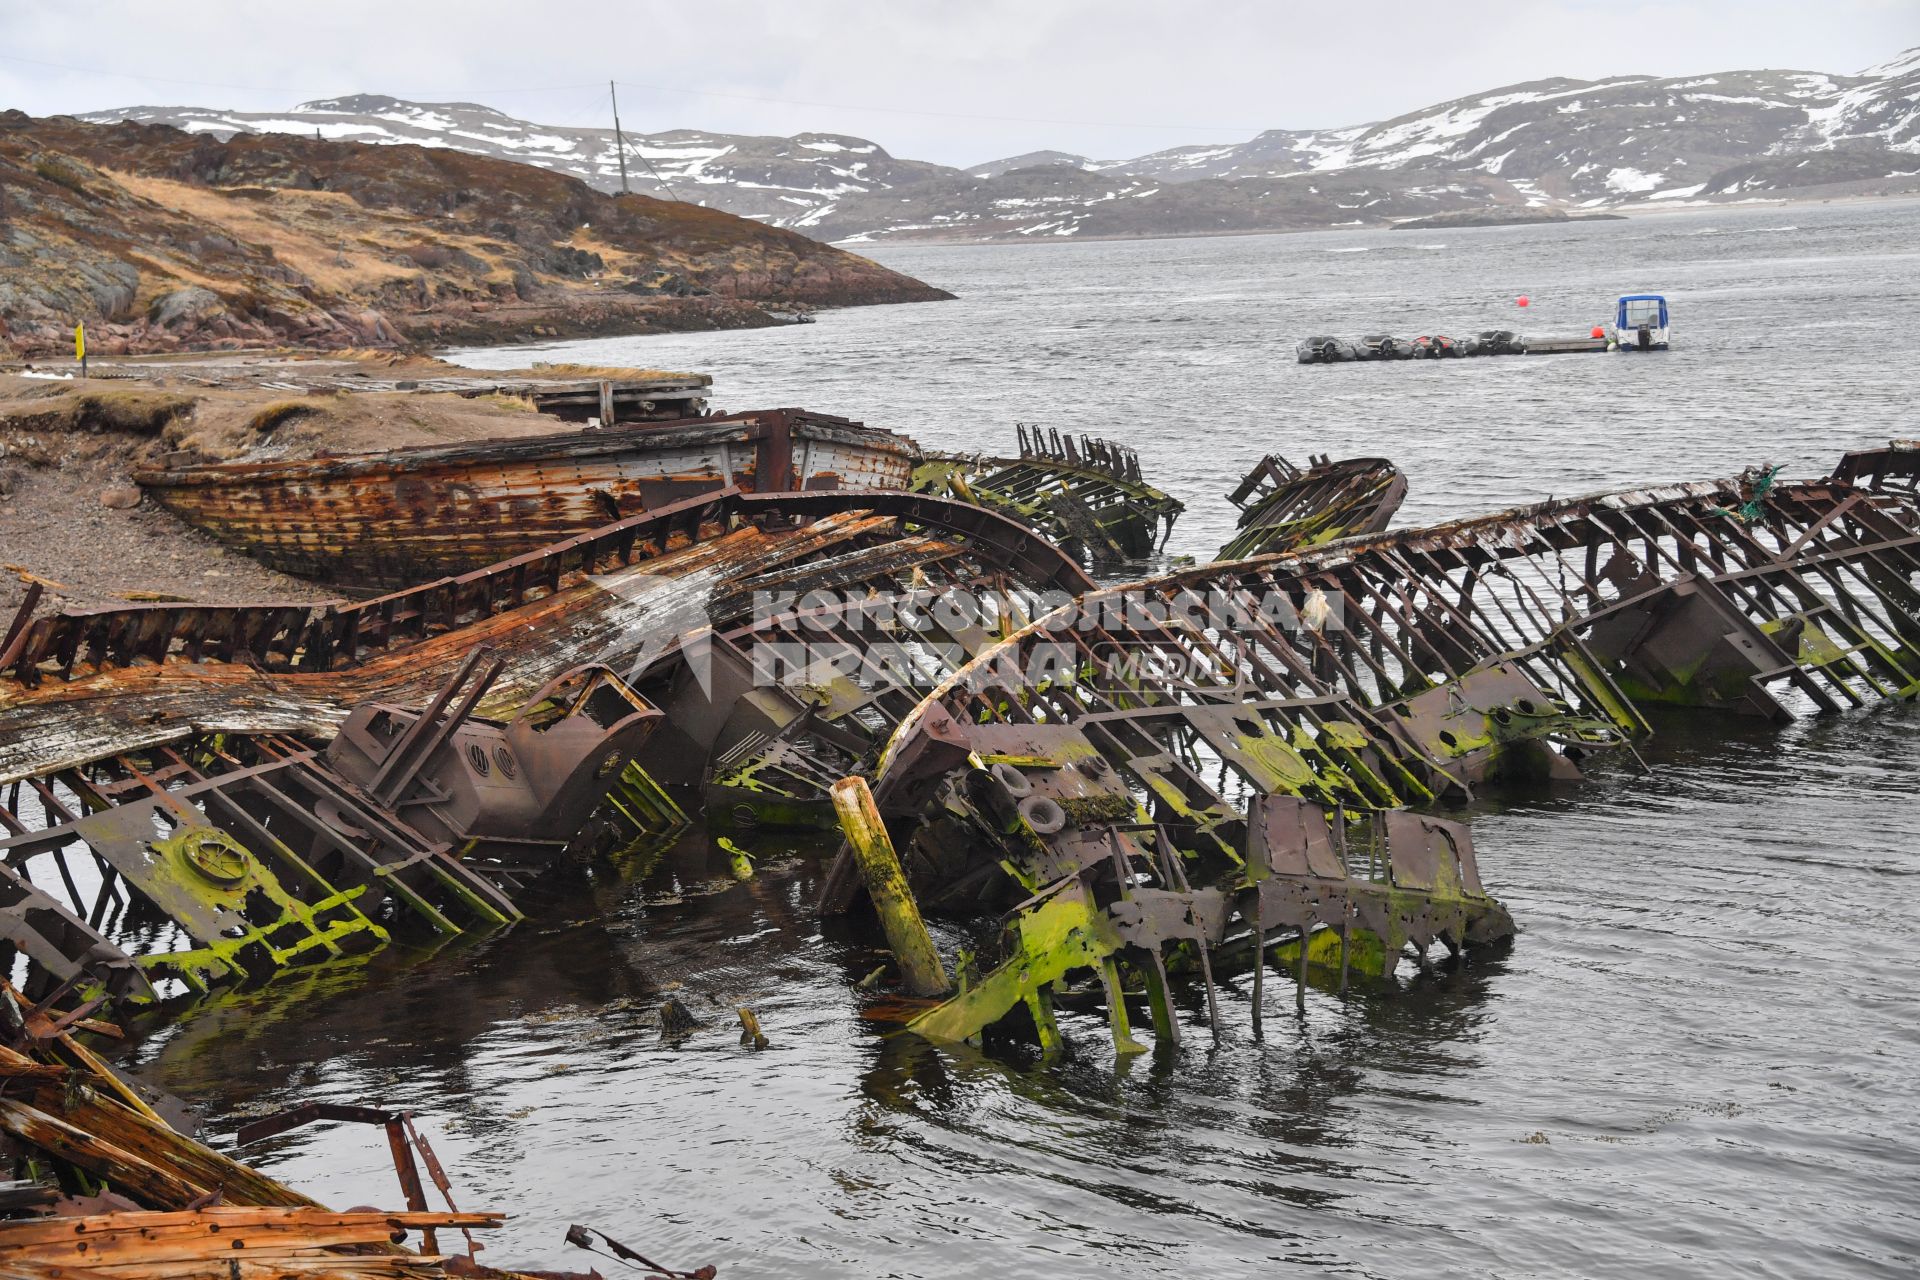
{"points": [[154, 1144], [322, 1266], [222, 1241], [138, 1247], [36, 1233], [123, 1170]]}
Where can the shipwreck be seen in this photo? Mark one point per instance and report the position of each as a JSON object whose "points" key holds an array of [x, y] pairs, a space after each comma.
{"points": [[390, 520], [1159, 797], [1201, 774], [1283, 507], [1087, 495], [1149, 800]]}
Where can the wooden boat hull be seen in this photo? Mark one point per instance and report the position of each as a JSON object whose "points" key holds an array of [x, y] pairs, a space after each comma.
{"points": [[383, 521]]}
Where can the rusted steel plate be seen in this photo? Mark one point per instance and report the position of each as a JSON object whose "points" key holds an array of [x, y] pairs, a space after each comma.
{"points": [[1892, 469]]}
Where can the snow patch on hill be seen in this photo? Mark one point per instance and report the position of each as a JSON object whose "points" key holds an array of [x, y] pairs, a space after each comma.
{"points": [[1555, 142]]}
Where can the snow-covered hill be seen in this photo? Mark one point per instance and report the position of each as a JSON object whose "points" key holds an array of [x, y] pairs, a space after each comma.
{"points": [[1548, 143], [1596, 142], [772, 179]]}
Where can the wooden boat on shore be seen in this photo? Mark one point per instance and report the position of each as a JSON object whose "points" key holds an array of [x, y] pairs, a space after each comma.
{"points": [[381, 521]]}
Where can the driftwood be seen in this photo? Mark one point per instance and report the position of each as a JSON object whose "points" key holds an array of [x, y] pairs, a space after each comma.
{"points": [[175, 1209]]}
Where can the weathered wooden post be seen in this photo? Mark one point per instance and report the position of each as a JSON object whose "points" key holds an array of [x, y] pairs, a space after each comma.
{"points": [[887, 887]]}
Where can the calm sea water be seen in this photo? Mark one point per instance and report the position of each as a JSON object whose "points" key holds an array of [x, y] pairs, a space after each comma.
{"points": [[1697, 1059]]}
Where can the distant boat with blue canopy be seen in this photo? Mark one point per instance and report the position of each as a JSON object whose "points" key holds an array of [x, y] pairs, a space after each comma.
{"points": [[1640, 323]]}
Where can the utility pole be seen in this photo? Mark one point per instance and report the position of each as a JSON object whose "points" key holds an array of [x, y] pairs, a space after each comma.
{"points": [[619, 141], [620, 144]]}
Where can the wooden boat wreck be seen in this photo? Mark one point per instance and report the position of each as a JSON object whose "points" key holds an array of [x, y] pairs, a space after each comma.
{"points": [[383, 521], [1088, 496], [1283, 508]]}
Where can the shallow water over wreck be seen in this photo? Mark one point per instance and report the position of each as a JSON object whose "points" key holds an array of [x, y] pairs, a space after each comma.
{"points": [[1697, 1055]]}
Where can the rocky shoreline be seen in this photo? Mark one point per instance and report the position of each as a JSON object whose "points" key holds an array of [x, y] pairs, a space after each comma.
{"points": [[162, 241], [1501, 218]]}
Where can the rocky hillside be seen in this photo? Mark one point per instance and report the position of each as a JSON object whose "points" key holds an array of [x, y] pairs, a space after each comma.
{"points": [[1567, 144], [1052, 200], [161, 239], [772, 179]]}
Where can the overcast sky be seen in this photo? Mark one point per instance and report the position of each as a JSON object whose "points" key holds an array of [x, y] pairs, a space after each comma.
{"points": [[957, 83]]}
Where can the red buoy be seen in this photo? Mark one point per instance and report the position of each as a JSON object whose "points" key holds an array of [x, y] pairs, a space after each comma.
{"points": [[1523, 300], [1599, 331]]}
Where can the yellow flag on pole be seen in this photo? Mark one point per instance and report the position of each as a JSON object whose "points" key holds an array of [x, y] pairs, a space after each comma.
{"points": [[80, 342]]}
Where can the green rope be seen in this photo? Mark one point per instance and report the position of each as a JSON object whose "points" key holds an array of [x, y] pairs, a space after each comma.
{"points": [[1757, 485]]}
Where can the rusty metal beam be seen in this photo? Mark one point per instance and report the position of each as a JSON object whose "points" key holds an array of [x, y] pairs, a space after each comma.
{"points": [[1894, 468]]}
